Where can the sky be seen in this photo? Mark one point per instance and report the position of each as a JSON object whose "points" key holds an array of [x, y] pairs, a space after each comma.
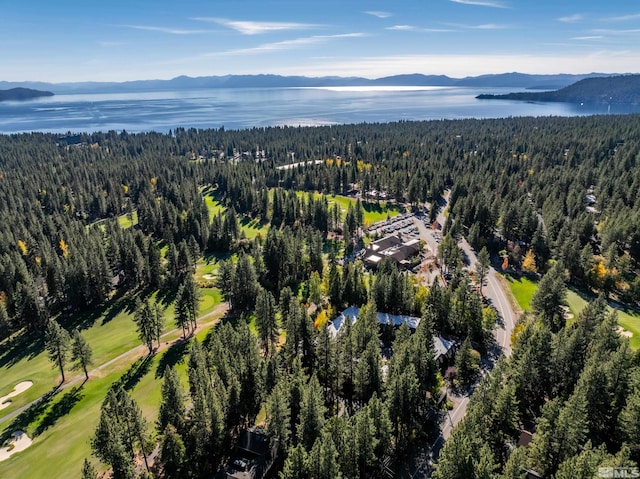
{"points": [[118, 40]]}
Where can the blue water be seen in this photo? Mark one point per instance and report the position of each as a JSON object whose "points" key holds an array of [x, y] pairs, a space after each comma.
{"points": [[246, 108]]}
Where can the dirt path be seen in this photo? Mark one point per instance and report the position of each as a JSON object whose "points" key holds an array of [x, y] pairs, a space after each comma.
{"points": [[139, 351]]}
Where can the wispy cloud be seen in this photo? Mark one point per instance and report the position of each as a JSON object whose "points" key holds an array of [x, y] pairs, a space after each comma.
{"points": [[589, 37], [481, 3], [618, 32], [482, 26], [413, 28], [287, 44], [256, 28], [171, 31], [575, 18], [378, 13], [624, 18]]}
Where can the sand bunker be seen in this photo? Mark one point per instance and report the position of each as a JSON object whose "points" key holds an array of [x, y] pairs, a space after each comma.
{"points": [[208, 276], [19, 441], [5, 401], [623, 332]]}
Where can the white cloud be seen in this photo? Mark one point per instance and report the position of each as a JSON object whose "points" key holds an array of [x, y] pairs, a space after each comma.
{"points": [[481, 3], [413, 28], [484, 26], [402, 28], [589, 37], [575, 18], [623, 32], [172, 31], [379, 14], [256, 28], [286, 44], [624, 18], [471, 65]]}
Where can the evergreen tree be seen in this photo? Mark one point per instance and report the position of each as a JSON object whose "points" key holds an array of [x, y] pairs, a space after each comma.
{"points": [[58, 344], [173, 453], [81, 353], [88, 471], [265, 313], [172, 406], [548, 299], [466, 365], [482, 267]]}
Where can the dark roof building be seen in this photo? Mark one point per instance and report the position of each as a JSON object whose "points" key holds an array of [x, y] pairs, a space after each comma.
{"points": [[252, 456], [392, 247]]}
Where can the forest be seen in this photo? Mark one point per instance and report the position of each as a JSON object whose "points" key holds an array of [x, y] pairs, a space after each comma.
{"points": [[89, 220]]}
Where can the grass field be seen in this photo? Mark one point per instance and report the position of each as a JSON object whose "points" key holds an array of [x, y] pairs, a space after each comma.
{"points": [[61, 429], [373, 211], [127, 221], [523, 289], [62, 425]]}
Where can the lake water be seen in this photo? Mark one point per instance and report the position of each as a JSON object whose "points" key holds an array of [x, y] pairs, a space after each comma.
{"points": [[259, 107]]}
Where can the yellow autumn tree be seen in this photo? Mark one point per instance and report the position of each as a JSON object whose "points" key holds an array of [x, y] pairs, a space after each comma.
{"points": [[598, 274], [529, 263], [320, 321], [22, 246], [64, 248]]}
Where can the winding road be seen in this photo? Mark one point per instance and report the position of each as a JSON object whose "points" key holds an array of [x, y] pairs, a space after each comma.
{"points": [[496, 296]]}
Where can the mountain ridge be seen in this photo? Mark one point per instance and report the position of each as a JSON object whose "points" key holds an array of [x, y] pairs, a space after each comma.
{"points": [[613, 90], [183, 82], [21, 93]]}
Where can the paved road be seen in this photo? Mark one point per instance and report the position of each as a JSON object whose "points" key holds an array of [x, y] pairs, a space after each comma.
{"points": [[502, 333]]}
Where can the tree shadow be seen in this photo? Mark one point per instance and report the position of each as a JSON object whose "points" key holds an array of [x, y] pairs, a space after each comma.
{"points": [[21, 346], [60, 409], [30, 415], [174, 355], [136, 372]]}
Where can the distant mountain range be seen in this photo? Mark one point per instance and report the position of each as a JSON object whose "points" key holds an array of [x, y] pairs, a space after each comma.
{"points": [[20, 93], [512, 80], [613, 90]]}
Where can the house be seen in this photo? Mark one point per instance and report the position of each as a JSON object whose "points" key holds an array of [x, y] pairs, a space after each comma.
{"points": [[252, 456], [444, 348]]}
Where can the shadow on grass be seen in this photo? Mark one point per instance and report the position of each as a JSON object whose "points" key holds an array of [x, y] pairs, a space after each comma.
{"points": [[21, 346], [29, 415], [174, 355], [136, 372], [60, 409]]}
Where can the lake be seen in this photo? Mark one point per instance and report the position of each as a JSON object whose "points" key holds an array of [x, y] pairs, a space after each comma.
{"points": [[260, 107]]}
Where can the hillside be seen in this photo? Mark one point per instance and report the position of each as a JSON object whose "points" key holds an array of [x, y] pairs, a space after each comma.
{"points": [[618, 90], [510, 80], [19, 93]]}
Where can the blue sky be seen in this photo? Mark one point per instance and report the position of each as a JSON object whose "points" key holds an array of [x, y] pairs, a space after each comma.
{"points": [[117, 40]]}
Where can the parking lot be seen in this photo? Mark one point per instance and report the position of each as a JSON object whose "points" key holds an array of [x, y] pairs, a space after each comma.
{"points": [[402, 225]]}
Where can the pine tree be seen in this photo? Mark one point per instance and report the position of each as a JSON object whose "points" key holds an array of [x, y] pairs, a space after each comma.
{"points": [[81, 354], [88, 471], [144, 318], [311, 414], [172, 406], [265, 313], [173, 453], [465, 364], [58, 344], [548, 299], [482, 267]]}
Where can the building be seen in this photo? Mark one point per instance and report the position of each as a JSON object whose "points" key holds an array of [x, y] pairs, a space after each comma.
{"points": [[252, 456], [444, 348], [392, 247]]}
